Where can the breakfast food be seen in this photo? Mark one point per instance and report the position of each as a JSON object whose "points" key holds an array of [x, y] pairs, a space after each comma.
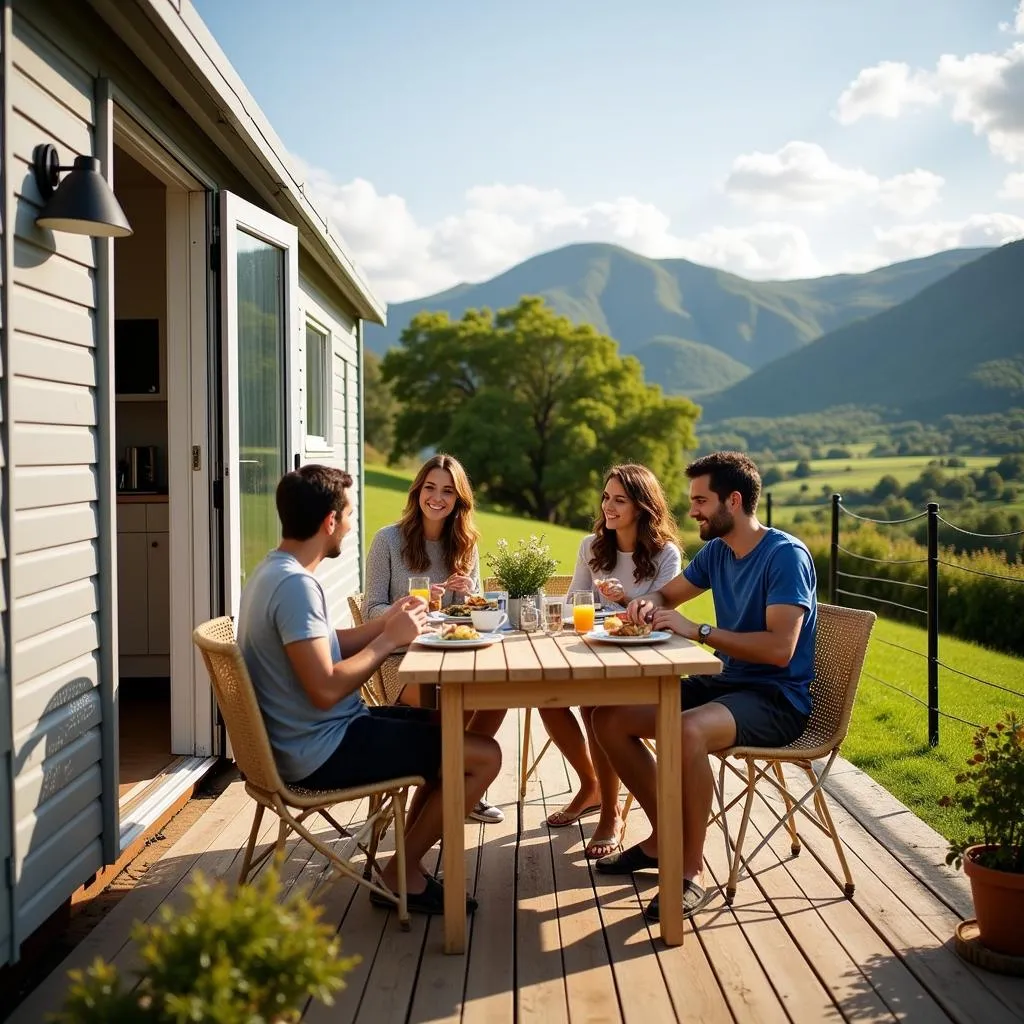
{"points": [[478, 601], [458, 632], [614, 626], [472, 603]]}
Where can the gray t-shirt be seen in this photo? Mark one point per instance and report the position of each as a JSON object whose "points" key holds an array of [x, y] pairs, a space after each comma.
{"points": [[667, 565], [283, 602], [387, 576]]}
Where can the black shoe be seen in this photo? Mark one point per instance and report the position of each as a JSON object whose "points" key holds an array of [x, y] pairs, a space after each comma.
{"points": [[430, 901], [626, 862], [694, 898]]}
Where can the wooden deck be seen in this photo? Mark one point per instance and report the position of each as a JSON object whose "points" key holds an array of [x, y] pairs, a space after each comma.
{"points": [[553, 942]]}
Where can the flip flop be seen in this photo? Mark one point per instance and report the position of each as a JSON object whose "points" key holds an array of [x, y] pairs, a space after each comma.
{"points": [[612, 844], [565, 819], [694, 898], [626, 862]]}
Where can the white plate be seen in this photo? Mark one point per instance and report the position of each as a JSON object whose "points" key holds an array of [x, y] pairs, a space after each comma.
{"points": [[433, 640], [656, 637]]}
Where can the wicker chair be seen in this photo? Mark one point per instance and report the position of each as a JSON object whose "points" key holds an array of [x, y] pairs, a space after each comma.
{"points": [[375, 689], [556, 586], [251, 746], [839, 652]]}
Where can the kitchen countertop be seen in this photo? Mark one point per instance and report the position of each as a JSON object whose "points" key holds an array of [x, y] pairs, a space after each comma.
{"points": [[129, 498]]}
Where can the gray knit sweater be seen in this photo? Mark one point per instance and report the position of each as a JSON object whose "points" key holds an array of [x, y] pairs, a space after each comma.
{"points": [[387, 576]]}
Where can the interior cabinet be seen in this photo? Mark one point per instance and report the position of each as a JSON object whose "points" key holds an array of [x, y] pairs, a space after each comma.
{"points": [[143, 588]]}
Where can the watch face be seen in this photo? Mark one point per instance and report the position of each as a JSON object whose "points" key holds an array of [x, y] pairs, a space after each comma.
{"points": [[704, 632]]}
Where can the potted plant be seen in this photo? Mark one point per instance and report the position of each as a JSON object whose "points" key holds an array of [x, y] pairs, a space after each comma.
{"points": [[230, 956], [991, 795], [522, 570]]}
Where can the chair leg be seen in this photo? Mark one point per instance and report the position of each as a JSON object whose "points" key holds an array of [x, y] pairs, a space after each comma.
{"points": [[794, 836], [251, 845], [524, 771], [398, 807], [376, 834], [734, 871], [821, 806]]}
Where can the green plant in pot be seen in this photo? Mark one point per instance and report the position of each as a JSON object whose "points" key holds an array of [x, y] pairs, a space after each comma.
{"points": [[991, 796], [522, 570], [230, 956]]}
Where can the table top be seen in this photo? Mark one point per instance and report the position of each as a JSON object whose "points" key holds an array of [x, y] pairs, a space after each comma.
{"points": [[525, 656]]}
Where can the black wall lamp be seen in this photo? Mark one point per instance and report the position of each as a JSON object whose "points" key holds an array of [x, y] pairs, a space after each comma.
{"points": [[82, 203]]}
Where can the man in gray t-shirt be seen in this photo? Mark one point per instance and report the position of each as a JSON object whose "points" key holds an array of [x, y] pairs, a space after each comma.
{"points": [[307, 677]]}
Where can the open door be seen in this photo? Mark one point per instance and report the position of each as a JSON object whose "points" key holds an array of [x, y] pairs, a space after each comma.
{"points": [[259, 295]]}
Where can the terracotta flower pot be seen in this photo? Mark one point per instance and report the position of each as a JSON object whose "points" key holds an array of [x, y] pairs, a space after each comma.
{"points": [[998, 904]]}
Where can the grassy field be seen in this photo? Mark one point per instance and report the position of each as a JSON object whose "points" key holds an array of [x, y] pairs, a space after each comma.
{"points": [[889, 736]]}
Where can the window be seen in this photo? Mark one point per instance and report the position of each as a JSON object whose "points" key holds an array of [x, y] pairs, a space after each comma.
{"points": [[318, 387]]}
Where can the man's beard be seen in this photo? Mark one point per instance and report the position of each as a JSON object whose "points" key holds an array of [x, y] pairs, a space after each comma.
{"points": [[717, 525]]}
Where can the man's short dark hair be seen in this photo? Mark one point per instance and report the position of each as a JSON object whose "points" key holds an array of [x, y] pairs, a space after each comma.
{"points": [[728, 472], [307, 495]]}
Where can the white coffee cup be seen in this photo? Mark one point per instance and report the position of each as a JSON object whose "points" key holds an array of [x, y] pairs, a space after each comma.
{"points": [[487, 620]]}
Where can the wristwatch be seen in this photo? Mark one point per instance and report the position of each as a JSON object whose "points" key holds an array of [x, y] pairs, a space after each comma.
{"points": [[703, 632]]}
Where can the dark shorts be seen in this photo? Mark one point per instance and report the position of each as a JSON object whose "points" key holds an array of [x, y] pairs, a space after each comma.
{"points": [[387, 743], [763, 714]]}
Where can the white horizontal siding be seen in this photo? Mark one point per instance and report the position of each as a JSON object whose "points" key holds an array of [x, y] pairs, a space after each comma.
{"points": [[53, 452]]}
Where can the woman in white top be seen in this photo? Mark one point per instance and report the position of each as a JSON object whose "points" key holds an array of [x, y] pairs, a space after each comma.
{"points": [[631, 552]]}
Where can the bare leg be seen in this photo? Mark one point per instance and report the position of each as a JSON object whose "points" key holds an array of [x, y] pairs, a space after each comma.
{"points": [[566, 734], [486, 723], [605, 839], [705, 729], [483, 761]]}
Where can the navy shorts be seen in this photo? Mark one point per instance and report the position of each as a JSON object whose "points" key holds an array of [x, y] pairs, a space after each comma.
{"points": [[763, 714], [389, 742]]}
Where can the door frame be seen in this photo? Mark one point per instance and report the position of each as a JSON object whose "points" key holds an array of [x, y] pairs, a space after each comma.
{"points": [[189, 435]]}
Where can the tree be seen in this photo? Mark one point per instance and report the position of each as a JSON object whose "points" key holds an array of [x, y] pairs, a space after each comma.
{"points": [[379, 405], [887, 487], [771, 476], [534, 406], [802, 470]]}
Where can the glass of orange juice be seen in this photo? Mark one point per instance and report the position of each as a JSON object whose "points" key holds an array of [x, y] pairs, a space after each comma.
{"points": [[583, 611], [419, 586]]}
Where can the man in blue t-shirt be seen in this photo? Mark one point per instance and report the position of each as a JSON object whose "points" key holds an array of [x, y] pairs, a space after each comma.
{"points": [[308, 676], [763, 584]]}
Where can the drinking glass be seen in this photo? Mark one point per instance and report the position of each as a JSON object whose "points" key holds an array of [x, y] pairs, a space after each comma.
{"points": [[419, 586], [553, 614], [529, 615], [583, 611]]}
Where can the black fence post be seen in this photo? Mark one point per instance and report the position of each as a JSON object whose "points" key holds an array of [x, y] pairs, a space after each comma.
{"points": [[768, 508], [833, 555], [933, 623]]}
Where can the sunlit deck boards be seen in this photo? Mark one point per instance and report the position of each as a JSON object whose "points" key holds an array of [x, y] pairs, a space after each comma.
{"points": [[554, 943]]}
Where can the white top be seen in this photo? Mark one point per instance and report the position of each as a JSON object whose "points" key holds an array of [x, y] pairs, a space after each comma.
{"points": [[667, 565]]}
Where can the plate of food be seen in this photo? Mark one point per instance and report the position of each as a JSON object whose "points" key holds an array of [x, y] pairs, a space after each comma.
{"points": [[454, 634], [461, 611], [621, 631]]}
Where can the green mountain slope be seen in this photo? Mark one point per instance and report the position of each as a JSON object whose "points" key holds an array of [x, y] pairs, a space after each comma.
{"points": [[638, 300], [957, 347], [693, 368]]}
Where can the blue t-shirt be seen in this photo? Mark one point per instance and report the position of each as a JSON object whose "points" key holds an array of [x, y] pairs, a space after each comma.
{"points": [[779, 570], [283, 602]]}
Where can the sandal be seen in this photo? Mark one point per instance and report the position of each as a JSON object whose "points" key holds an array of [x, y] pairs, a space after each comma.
{"points": [[597, 849], [564, 818], [626, 862], [694, 898], [430, 901]]}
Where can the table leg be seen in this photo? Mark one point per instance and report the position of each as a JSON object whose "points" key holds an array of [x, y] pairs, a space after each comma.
{"points": [[453, 804], [670, 812]]}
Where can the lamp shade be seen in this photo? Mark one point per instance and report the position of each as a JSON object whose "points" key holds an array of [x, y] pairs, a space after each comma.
{"points": [[84, 204]]}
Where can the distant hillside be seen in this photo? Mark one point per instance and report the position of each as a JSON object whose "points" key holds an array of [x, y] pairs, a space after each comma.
{"points": [[957, 347], [670, 312]]}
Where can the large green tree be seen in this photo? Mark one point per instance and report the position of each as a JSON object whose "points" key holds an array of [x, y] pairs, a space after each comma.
{"points": [[379, 405], [535, 407]]}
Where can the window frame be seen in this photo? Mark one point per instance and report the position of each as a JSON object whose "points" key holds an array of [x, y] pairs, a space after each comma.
{"points": [[317, 442]]}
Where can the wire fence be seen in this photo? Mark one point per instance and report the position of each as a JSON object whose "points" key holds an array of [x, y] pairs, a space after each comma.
{"points": [[841, 581]]}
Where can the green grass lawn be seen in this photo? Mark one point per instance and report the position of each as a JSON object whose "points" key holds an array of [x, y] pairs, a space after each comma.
{"points": [[889, 735]]}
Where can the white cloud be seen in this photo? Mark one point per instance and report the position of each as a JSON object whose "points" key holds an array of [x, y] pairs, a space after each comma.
{"points": [[885, 90], [501, 225], [1017, 26], [801, 174], [906, 241], [1013, 184]]}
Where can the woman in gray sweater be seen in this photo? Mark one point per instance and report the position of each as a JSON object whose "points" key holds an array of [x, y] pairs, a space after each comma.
{"points": [[631, 552], [435, 537]]}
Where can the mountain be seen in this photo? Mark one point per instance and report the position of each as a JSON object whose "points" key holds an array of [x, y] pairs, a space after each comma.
{"points": [[671, 312], [956, 347]]}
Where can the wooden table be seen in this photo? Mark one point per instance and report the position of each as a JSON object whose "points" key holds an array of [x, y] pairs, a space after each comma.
{"points": [[542, 671]]}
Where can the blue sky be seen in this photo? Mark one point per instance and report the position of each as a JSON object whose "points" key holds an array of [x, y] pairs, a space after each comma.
{"points": [[450, 140]]}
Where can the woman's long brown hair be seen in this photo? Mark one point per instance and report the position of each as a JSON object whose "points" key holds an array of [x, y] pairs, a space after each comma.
{"points": [[656, 526], [459, 534]]}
